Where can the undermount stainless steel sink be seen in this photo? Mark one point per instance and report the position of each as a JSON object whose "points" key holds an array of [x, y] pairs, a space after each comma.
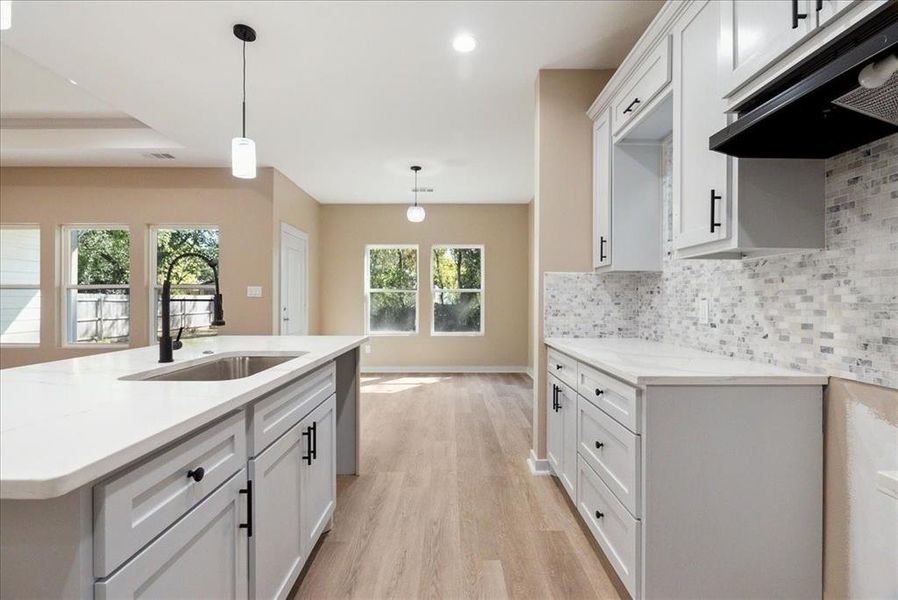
{"points": [[219, 369]]}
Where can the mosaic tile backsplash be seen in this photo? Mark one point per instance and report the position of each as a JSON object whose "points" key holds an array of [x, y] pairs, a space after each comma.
{"points": [[832, 311]]}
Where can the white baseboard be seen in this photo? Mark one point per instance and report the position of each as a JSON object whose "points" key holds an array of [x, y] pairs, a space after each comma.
{"points": [[538, 466], [459, 369]]}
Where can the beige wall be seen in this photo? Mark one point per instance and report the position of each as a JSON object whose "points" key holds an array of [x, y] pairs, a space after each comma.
{"points": [[563, 236], [502, 229], [243, 211], [292, 205]]}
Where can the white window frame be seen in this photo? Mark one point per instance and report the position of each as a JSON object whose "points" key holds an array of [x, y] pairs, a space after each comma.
{"points": [[368, 290], [152, 284], [65, 264], [27, 286], [482, 291]]}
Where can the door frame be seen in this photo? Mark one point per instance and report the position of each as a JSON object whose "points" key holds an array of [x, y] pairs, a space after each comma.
{"points": [[287, 229]]}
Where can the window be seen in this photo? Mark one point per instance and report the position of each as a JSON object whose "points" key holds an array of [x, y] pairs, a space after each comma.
{"points": [[96, 273], [193, 284], [457, 273], [391, 283], [20, 278]]}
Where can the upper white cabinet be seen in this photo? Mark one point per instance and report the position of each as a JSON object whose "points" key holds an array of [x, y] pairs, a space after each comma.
{"points": [[645, 84], [826, 10], [725, 207], [754, 33], [701, 185], [601, 190]]}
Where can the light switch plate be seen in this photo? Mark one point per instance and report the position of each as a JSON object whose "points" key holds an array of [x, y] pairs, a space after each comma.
{"points": [[367, 348], [254, 291]]}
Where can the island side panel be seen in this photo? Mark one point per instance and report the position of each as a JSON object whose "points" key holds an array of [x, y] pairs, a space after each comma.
{"points": [[348, 390], [46, 547], [732, 477]]}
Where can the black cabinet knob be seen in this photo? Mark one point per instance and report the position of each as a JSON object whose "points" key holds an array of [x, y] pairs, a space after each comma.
{"points": [[599, 392], [599, 445], [197, 474], [559, 367], [599, 515]]}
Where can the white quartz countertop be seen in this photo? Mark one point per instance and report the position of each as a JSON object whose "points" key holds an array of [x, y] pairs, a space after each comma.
{"points": [[68, 423], [642, 363]]}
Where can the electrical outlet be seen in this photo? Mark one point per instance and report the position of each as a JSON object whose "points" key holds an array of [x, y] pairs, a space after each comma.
{"points": [[704, 316], [367, 348], [254, 291]]}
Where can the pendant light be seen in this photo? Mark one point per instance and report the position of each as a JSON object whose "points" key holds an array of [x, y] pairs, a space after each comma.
{"points": [[415, 213], [5, 14], [243, 149]]}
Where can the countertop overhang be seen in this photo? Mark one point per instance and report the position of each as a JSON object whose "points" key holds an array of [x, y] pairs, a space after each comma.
{"points": [[642, 363], [68, 423]]}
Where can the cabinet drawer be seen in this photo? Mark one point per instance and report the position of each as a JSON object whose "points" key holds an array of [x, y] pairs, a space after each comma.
{"points": [[275, 414], [650, 78], [133, 508], [621, 401], [203, 556], [615, 529], [612, 451], [563, 367]]}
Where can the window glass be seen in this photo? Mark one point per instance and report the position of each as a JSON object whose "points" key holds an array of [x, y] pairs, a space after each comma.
{"points": [[392, 285], [20, 294], [457, 273]]}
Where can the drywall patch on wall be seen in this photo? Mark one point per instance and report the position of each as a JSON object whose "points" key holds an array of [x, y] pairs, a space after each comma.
{"points": [[832, 311], [861, 522]]}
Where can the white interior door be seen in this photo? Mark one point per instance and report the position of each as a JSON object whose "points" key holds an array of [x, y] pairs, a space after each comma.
{"points": [[294, 310]]}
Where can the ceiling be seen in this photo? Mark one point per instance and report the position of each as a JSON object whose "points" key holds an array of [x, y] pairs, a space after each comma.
{"points": [[342, 97]]}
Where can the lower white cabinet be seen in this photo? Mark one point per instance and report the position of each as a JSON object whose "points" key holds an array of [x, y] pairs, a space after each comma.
{"points": [[277, 551], [204, 555], [561, 432], [318, 483]]}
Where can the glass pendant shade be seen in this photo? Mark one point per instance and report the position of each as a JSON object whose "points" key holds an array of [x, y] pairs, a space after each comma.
{"points": [[415, 214], [5, 14], [243, 158]]}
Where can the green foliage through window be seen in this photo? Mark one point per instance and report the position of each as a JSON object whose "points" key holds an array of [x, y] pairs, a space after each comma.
{"points": [[103, 256], [172, 242], [457, 289], [393, 285]]}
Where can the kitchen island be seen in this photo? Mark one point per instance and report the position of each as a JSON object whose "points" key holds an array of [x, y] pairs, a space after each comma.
{"points": [[121, 476]]}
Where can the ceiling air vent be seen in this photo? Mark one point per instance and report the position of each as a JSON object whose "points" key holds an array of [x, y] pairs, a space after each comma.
{"points": [[159, 155]]}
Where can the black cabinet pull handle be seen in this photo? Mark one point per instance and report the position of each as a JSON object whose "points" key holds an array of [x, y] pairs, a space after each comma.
{"points": [[559, 367], [714, 198], [314, 440], [197, 474], [797, 15], [631, 105], [599, 392], [819, 5], [599, 515], [248, 490], [602, 241], [308, 435], [599, 445]]}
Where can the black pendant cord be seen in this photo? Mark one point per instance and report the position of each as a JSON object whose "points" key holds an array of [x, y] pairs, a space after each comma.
{"points": [[244, 88], [416, 188]]}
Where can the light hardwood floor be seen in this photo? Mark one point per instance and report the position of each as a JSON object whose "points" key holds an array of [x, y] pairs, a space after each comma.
{"points": [[445, 506]]}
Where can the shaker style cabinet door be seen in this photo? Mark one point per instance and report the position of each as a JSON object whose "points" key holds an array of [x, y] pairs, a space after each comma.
{"points": [[755, 33], [701, 193], [601, 190], [204, 555], [554, 426], [276, 547], [319, 473], [568, 399]]}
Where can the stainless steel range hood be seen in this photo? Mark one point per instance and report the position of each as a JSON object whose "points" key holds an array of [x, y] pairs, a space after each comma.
{"points": [[818, 109]]}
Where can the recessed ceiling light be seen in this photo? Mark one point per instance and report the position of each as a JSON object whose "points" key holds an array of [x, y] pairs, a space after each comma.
{"points": [[73, 82], [464, 43]]}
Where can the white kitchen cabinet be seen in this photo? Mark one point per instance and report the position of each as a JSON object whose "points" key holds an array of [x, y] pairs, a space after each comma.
{"points": [[754, 33], [318, 483], [601, 190], [826, 10], [277, 551], [725, 207], [204, 555], [561, 433]]}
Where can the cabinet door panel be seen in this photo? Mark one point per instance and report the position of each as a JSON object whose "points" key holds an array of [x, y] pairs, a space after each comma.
{"points": [[568, 401], [701, 185], [754, 33], [554, 427], [202, 556], [276, 548], [601, 190], [319, 479]]}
